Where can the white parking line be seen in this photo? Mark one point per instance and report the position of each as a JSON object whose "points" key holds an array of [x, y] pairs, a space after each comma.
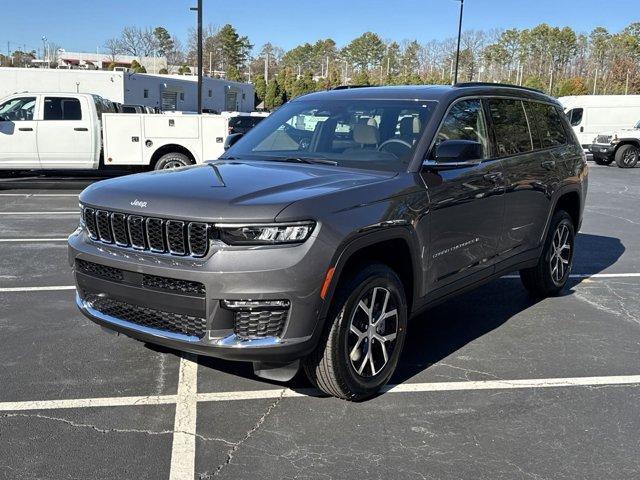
{"points": [[31, 240], [38, 289], [87, 403], [41, 213], [185, 420], [183, 450]]}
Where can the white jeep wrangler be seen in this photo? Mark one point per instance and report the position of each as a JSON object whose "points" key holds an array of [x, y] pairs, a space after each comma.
{"points": [[623, 146]]}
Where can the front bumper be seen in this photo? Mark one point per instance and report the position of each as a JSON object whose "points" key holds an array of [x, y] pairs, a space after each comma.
{"points": [[603, 150], [288, 273]]}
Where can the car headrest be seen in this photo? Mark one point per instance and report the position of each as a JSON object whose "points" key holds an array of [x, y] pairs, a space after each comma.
{"points": [[409, 126], [366, 134]]}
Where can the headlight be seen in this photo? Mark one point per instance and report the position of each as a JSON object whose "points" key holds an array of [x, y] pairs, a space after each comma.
{"points": [[267, 234]]}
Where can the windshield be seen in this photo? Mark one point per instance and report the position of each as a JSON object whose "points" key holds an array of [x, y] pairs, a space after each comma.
{"points": [[367, 134], [637, 125]]}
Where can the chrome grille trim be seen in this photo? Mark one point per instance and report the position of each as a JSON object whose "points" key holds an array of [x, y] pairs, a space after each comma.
{"points": [[169, 237], [136, 227], [104, 226], [197, 251], [175, 247], [118, 222], [155, 239]]}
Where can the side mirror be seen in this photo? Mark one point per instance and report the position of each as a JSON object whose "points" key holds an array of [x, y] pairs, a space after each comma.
{"points": [[231, 140], [458, 151]]}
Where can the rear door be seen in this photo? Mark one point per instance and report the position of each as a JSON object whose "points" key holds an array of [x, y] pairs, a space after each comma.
{"points": [[18, 130], [66, 137], [466, 203], [529, 168]]}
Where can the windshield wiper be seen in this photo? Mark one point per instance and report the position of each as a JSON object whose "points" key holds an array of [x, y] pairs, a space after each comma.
{"points": [[320, 161]]}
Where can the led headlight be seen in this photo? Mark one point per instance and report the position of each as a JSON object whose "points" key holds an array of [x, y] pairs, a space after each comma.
{"points": [[266, 234]]}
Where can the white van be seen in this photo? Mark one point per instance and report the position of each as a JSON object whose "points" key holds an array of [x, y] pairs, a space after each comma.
{"points": [[590, 115]]}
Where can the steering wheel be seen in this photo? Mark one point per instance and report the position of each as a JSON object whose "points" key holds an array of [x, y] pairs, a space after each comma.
{"points": [[395, 140]]}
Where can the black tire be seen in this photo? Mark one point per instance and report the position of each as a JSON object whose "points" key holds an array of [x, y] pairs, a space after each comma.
{"points": [[172, 160], [542, 281], [602, 160], [627, 156], [331, 366]]}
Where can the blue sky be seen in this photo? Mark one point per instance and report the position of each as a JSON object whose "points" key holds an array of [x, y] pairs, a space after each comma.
{"points": [[86, 24]]}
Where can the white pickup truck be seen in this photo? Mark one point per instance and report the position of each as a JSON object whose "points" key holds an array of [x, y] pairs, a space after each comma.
{"points": [[69, 131]]}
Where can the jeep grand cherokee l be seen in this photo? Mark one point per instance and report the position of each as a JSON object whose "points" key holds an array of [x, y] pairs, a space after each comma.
{"points": [[315, 237]]}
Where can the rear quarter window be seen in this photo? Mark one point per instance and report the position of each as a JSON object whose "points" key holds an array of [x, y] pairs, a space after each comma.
{"points": [[549, 124]]}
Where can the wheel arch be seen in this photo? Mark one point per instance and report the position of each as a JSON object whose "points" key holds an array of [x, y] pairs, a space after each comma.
{"points": [[170, 148], [393, 247]]}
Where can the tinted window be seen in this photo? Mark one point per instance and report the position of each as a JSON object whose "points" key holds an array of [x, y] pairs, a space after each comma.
{"points": [[549, 123], [18, 109], [575, 116], [510, 125], [352, 132], [60, 108], [465, 121]]}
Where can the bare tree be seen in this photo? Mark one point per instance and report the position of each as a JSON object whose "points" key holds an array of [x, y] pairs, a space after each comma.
{"points": [[113, 48]]}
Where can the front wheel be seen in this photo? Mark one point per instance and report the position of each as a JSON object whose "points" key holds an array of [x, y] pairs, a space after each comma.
{"points": [[551, 273], [361, 345], [627, 156]]}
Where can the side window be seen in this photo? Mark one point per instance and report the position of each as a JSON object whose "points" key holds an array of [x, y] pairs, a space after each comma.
{"points": [[465, 121], [575, 116], [18, 109], [549, 124], [510, 125], [62, 108]]}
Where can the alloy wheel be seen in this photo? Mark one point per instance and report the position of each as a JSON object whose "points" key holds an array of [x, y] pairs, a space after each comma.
{"points": [[630, 157], [373, 329], [560, 253]]}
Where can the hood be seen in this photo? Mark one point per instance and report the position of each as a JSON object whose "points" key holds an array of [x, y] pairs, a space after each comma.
{"points": [[251, 191]]}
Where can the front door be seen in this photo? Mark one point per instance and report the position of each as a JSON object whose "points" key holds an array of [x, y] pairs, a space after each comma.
{"points": [[65, 133], [466, 202], [18, 130]]}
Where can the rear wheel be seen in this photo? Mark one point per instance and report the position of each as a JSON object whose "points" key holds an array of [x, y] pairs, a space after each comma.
{"points": [[627, 156], [361, 345], [172, 160], [551, 273]]}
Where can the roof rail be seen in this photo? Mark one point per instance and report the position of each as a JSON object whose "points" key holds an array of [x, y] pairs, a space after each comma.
{"points": [[348, 87], [491, 84]]}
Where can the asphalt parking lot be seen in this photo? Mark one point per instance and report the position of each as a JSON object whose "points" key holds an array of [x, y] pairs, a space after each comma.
{"points": [[491, 385]]}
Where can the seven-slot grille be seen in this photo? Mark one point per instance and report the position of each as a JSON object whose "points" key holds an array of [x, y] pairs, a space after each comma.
{"points": [[145, 233], [603, 139]]}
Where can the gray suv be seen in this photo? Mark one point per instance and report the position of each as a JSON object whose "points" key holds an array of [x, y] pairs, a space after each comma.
{"points": [[315, 238]]}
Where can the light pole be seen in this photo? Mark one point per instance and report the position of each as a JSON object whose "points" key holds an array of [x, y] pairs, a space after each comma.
{"points": [[455, 76], [199, 34], [45, 53]]}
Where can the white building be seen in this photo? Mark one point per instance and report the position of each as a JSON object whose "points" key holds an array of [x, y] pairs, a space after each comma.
{"points": [[101, 61], [170, 92]]}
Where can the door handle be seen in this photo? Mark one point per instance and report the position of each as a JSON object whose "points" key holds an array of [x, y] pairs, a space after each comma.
{"points": [[25, 129], [81, 129], [493, 177], [581, 129], [548, 164]]}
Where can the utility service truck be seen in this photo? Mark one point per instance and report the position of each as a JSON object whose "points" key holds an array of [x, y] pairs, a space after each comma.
{"points": [[79, 131]]}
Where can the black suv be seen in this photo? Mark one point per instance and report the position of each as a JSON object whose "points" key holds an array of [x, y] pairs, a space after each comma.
{"points": [[315, 237]]}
